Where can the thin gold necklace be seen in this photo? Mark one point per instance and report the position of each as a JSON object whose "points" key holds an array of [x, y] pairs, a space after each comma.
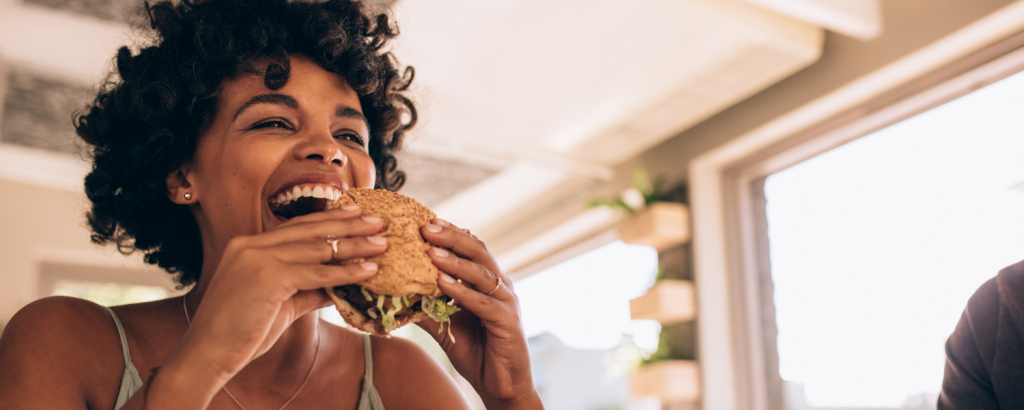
{"points": [[315, 357]]}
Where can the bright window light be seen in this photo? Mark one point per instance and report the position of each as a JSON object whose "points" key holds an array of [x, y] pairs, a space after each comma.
{"points": [[876, 247], [585, 301], [109, 294]]}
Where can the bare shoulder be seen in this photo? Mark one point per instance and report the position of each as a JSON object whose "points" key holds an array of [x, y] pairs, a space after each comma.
{"points": [[57, 326], [58, 349], [400, 366]]}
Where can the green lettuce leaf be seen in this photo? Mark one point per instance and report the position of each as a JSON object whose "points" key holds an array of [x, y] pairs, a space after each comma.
{"points": [[439, 310]]}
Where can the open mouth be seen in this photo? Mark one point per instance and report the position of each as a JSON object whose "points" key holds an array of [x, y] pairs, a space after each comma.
{"points": [[302, 199]]}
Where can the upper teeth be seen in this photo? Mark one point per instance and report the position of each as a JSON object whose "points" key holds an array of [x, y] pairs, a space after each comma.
{"points": [[311, 191]]}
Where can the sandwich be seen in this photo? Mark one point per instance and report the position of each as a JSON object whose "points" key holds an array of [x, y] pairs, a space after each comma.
{"points": [[404, 290]]}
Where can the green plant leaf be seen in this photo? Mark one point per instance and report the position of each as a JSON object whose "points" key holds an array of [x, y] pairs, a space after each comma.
{"points": [[614, 203]]}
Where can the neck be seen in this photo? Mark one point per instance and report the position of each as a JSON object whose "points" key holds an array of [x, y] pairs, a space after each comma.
{"points": [[282, 368]]}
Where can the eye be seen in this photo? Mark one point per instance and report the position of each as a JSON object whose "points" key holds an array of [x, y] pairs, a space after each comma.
{"points": [[350, 136], [271, 124]]}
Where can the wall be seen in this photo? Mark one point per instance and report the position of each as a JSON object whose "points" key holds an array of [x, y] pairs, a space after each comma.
{"points": [[42, 224]]}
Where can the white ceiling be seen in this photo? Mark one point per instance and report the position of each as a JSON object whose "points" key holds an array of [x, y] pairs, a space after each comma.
{"points": [[589, 83], [549, 94], [593, 81]]}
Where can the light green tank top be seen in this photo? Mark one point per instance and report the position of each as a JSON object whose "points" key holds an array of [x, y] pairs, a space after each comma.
{"points": [[131, 382]]}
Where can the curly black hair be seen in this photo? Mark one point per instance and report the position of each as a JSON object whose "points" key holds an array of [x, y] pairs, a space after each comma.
{"points": [[145, 123]]}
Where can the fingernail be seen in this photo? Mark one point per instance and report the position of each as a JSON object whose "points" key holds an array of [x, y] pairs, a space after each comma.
{"points": [[377, 240], [351, 207], [441, 253], [434, 228], [445, 278], [371, 219], [368, 266], [441, 222]]}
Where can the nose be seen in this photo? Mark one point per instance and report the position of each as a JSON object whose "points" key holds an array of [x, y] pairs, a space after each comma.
{"points": [[321, 147]]}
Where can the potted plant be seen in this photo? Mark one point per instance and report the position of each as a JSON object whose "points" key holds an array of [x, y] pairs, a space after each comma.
{"points": [[671, 372], [670, 381], [652, 222], [668, 301]]}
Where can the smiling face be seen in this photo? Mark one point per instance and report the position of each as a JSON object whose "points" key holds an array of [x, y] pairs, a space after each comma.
{"points": [[269, 155]]}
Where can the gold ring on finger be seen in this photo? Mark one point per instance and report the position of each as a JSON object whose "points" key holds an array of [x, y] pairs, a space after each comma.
{"points": [[496, 286], [333, 241]]}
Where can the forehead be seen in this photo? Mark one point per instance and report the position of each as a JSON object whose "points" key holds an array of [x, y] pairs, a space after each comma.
{"points": [[307, 81]]}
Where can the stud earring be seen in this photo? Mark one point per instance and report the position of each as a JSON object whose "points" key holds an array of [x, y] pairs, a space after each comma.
{"points": [[188, 196]]}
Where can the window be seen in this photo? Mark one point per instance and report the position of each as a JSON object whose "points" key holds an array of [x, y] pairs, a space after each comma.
{"points": [[582, 341], [876, 247], [109, 293], [742, 337], [107, 285]]}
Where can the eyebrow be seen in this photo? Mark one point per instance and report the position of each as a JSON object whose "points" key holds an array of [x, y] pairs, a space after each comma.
{"points": [[349, 112], [290, 102], [277, 99]]}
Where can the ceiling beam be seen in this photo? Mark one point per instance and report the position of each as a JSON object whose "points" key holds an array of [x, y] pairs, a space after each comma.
{"points": [[860, 19], [59, 44]]}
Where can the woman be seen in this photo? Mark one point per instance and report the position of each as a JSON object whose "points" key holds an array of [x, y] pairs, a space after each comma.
{"points": [[237, 101]]}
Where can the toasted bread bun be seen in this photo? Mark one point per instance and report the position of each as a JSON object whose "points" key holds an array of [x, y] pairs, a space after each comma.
{"points": [[403, 270]]}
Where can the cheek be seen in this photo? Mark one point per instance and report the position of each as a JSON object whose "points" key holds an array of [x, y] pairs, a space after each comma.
{"points": [[238, 172], [364, 170], [255, 163]]}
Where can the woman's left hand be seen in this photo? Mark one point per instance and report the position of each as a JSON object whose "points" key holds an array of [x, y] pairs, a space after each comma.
{"points": [[490, 348]]}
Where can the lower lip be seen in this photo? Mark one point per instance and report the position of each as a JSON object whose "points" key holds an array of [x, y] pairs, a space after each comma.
{"points": [[273, 220]]}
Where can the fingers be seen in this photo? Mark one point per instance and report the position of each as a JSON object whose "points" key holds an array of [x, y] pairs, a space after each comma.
{"points": [[318, 251], [341, 228], [483, 306], [483, 280], [446, 235], [315, 277], [347, 211], [309, 300]]}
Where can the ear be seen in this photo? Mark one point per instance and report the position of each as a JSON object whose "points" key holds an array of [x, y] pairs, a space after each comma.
{"points": [[180, 182]]}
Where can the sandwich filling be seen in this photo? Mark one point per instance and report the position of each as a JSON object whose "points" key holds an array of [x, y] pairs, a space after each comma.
{"points": [[392, 310]]}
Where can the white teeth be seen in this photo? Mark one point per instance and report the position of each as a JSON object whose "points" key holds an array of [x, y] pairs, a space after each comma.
{"points": [[317, 191]]}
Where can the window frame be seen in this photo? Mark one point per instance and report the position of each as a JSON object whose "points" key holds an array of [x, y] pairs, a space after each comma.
{"points": [[736, 317], [50, 265]]}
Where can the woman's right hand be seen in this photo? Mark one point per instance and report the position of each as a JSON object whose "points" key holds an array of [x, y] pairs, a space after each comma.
{"points": [[265, 282]]}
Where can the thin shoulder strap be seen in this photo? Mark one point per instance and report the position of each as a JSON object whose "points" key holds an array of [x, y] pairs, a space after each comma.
{"points": [[131, 382], [369, 399], [367, 359]]}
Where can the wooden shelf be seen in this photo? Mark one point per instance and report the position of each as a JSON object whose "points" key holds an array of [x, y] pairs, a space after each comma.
{"points": [[668, 301], [661, 225], [671, 381]]}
